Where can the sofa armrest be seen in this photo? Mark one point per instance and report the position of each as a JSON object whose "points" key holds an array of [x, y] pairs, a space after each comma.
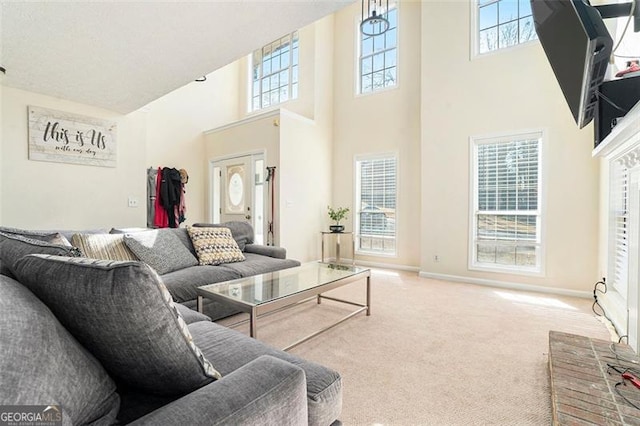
{"points": [[271, 251], [265, 391]]}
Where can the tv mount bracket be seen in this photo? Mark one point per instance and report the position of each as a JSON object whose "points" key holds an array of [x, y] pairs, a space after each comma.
{"points": [[618, 10]]}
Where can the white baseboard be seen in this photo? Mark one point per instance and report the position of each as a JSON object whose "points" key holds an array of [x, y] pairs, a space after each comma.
{"points": [[508, 285], [348, 261]]}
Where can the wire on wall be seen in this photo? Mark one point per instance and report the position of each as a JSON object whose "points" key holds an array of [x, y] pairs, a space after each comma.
{"points": [[601, 287]]}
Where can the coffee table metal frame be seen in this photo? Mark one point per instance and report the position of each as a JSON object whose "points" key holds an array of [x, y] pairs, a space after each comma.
{"points": [[256, 310]]}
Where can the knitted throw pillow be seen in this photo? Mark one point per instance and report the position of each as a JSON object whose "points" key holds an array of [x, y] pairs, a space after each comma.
{"points": [[215, 246]]}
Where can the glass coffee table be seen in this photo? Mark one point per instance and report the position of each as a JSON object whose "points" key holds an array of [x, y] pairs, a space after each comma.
{"points": [[274, 291]]}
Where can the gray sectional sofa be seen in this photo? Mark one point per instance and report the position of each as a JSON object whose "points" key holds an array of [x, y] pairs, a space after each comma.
{"points": [[182, 282], [105, 342]]}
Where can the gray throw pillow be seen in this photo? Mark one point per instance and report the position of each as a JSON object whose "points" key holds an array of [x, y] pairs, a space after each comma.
{"points": [[123, 314], [52, 237], [14, 247], [41, 363], [163, 251]]}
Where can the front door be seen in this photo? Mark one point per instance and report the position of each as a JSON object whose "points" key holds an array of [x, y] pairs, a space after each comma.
{"points": [[237, 192], [235, 189]]}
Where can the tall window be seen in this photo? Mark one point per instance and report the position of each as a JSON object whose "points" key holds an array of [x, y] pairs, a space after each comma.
{"points": [[503, 23], [378, 59], [275, 72], [619, 228], [506, 213], [376, 193]]}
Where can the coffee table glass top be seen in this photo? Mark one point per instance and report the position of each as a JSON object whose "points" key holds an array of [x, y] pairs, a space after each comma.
{"points": [[264, 288]]}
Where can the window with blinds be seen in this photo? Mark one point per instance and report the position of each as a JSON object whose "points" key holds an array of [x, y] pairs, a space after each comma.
{"points": [[506, 203], [274, 70], [620, 228], [376, 194]]}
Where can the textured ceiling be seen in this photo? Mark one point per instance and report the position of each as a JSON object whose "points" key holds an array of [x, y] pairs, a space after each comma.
{"points": [[123, 55]]}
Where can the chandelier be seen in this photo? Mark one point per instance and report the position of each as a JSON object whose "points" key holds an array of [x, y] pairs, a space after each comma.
{"points": [[374, 17]]}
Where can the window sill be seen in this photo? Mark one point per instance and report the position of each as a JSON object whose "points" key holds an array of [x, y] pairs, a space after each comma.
{"points": [[497, 269]]}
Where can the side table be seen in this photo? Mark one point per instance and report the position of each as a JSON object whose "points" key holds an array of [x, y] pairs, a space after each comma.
{"points": [[337, 237]]}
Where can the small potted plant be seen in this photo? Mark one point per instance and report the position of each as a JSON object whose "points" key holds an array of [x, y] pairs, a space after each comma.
{"points": [[337, 215]]}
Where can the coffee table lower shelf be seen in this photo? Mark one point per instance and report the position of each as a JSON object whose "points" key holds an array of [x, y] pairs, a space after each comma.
{"points": [[261, 309]]}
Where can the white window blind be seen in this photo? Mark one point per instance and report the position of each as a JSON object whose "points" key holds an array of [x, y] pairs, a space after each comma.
{"points": [[275, 72], [506, 203], [376, 204], [620, 231]]}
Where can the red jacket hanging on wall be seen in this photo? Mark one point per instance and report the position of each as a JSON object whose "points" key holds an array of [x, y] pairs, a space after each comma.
{"points": [[160, 219]]}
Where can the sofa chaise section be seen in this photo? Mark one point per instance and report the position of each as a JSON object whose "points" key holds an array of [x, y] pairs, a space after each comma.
{"points": [[258, 383]]}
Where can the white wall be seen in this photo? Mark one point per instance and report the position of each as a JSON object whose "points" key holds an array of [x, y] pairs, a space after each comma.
{"points": [[175, 125], [168, 132], [386, 121], [305, 185], [38, 194], [509, 91]]}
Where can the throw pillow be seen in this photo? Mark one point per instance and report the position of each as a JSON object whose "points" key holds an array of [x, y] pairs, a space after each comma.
{"points": [[103, 246], [14, 247], [42, 363], [124, 315], [242, 231], [163, 251], [52, 237], [215, 246]]}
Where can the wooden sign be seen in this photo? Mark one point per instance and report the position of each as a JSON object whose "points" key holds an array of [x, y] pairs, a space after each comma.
{"points": [[63, 137]]}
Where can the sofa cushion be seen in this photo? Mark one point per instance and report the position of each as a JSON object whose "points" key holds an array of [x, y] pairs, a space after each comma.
{"points": [[242, 231], [183, 282], [103, 246], [41, 362], [189, 315], [128, 230], [14, 247], [256, 264], [214, 246], [163, 251], [324, 386], [123, 314]]}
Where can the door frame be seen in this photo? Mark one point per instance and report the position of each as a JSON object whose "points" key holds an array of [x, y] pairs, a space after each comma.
{"points": [[255, 155]]}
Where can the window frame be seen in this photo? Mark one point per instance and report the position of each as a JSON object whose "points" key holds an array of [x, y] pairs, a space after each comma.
{"points": [[356, 204], [292, 37], [474, 141], [358, 56], [619, 195], [474, 42]]}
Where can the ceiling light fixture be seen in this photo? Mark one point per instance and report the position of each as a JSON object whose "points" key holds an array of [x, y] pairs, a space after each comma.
{"points": [[374, 17]]}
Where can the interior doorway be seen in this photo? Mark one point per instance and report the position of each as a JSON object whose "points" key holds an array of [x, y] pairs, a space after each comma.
{"points": [[237, 191]]}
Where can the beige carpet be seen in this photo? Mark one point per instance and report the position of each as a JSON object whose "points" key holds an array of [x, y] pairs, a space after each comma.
{"points": [[436, 352]]}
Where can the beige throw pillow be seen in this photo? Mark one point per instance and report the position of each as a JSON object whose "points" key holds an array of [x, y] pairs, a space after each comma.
{"points": [[214, 246], [103, 246]]}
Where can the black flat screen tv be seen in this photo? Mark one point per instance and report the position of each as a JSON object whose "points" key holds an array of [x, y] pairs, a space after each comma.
{"points": [[578, 47]]}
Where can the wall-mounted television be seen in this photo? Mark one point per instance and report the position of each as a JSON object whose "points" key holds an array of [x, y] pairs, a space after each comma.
{"points": [[578, 47]]}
